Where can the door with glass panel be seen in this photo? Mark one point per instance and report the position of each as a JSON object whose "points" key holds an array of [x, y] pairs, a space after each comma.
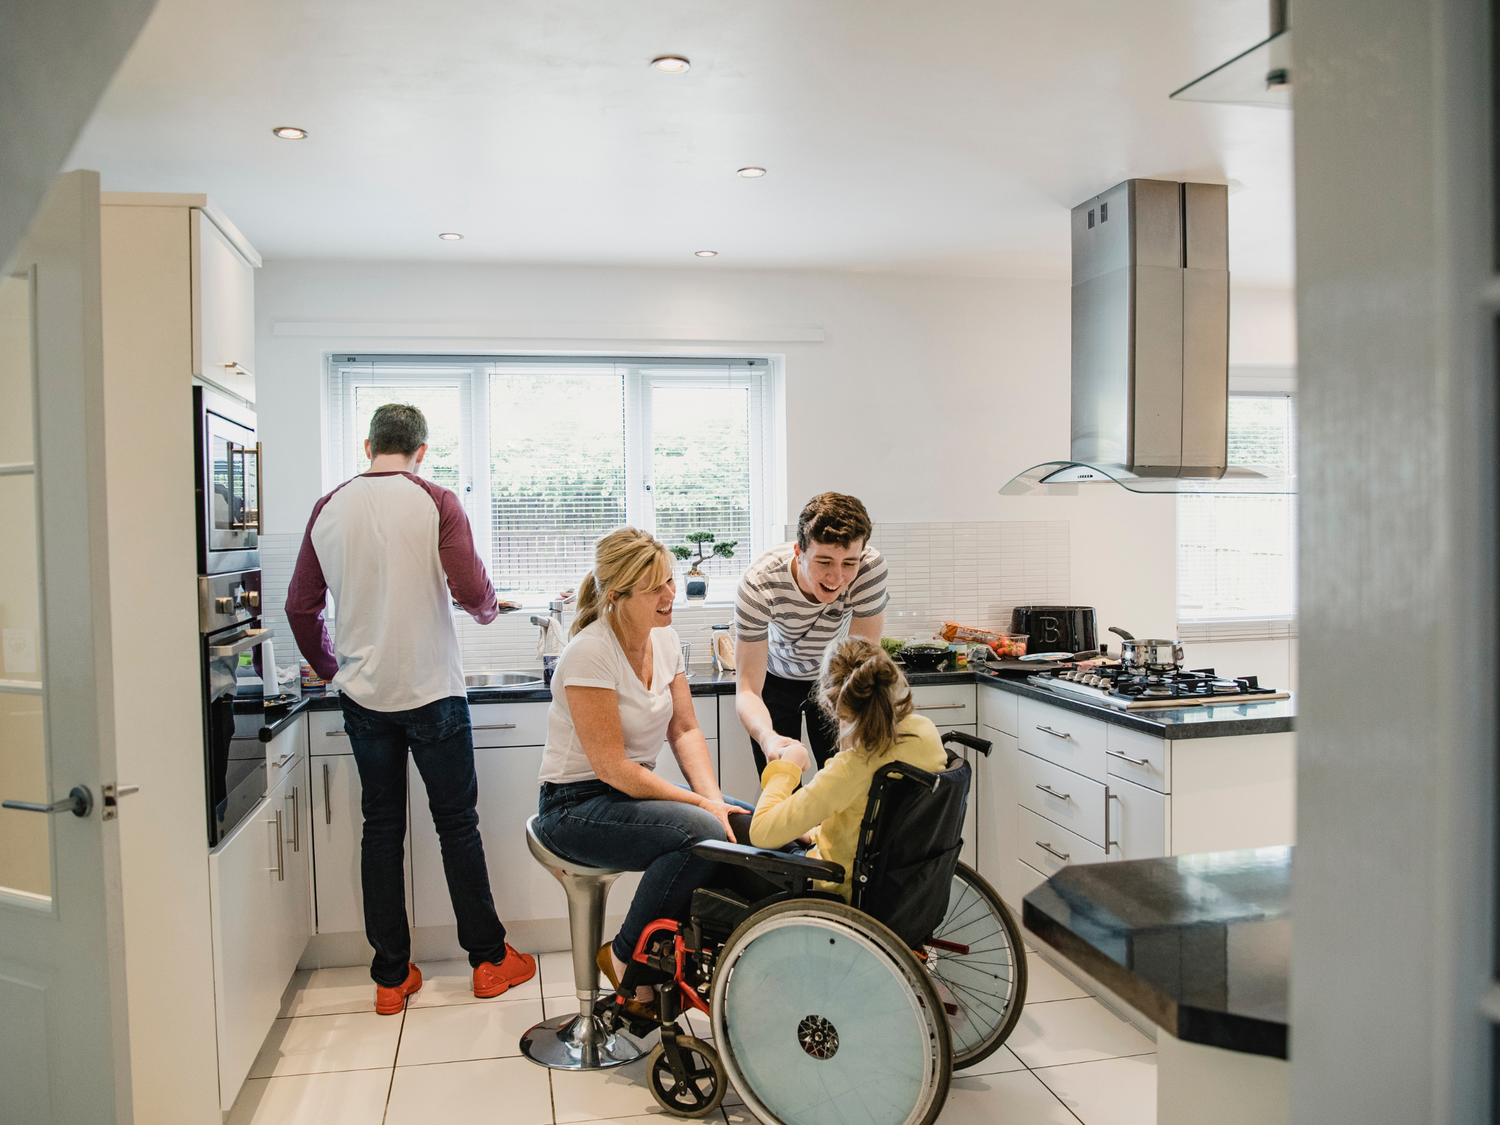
{"points": [[63, 1046]]}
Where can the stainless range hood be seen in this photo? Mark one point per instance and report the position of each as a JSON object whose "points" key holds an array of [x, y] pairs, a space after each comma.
{"points": [[1151, 346]]}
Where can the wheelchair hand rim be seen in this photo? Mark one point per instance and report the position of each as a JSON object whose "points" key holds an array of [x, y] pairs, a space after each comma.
{"points": [[925, 1008]]}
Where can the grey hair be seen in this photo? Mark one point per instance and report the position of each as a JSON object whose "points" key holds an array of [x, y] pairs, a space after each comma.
{"points": [[397, 427]]}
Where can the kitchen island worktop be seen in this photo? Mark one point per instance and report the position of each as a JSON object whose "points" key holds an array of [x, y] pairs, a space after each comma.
{"points": [[1203, 721]]}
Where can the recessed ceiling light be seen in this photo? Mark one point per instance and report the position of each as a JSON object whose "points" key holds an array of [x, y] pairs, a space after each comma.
{"points": [[290, 133], [752, 173], [450, 236], [706, 253], [672, 64]]}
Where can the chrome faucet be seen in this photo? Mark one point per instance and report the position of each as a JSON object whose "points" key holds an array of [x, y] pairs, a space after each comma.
{"points": [[554, 611]]}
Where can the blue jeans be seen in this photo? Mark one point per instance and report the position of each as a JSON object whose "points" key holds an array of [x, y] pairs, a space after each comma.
{"points": [[595, 824], [442, 745]]}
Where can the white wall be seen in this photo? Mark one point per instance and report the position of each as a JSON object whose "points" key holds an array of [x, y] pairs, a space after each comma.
{"points": [[924, 397]]}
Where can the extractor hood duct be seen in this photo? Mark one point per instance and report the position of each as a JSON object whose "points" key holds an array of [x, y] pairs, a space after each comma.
{"points": [[1151, 345]]}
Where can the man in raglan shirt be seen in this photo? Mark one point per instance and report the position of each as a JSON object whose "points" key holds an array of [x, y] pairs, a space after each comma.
{"points": [[393, 548], [792, 603]]}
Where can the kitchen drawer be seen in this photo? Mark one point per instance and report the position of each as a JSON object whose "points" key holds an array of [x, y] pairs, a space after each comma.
{"points": [[325, 733], [284, 752], [1024, 879], [997, 708], [1062, 796], [1138, 821], [1035, 835], [1070, 740], [1140, 758], [947, 705], [509, 724]]}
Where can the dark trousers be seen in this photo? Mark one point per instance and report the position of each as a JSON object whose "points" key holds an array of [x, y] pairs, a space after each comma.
{"points": [[785, 699], [442, 745]]}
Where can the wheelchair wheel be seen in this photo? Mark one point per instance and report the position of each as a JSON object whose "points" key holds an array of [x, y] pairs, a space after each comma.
{"points": [[820, 1014], [703, 1089], [979, 965]]}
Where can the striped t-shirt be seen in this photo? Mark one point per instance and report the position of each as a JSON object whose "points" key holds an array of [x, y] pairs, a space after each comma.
{"points": [[770, 607]]}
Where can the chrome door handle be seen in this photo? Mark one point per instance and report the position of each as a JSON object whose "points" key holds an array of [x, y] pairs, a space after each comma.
{"points": [[1108, 797], [79, 802], [283, 760], [1054, 733], [1127, 758], [280, 867], [941, 707], [296, 820], [327, 803], [496, 726], [1053, 792], [335, 734], [1048, 848]]}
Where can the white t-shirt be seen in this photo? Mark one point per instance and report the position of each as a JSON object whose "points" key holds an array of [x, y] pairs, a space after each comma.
{"points": [[595, 659]]}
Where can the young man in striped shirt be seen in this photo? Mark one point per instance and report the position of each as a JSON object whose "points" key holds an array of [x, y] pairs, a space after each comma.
{"points": [[792, 602]]}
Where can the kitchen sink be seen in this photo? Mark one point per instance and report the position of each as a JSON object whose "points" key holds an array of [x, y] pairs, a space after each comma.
{"points": [[502, 679]]}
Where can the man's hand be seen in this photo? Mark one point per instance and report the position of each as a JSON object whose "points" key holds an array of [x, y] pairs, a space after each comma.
{"points": [[788, 750], [722, 811]]}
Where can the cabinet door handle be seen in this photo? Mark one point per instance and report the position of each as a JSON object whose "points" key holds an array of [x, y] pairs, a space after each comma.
{"points": [[296, 819], [327, 801], [280, 867], [1127, 758], [1054, 733], [281, 761], [1053, 792], [496, 726], [335, 734], [940, 707], [1108, 797], [1053, 851]]}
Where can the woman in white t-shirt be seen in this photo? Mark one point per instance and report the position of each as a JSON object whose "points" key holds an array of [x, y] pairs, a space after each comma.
{"points": [[619, 690]]}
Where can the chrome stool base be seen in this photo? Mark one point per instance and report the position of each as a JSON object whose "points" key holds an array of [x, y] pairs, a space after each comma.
{"points": [[580, 1042]]}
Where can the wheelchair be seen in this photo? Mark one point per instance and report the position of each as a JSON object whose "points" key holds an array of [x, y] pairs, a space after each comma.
{"points": [[826, 1011]]}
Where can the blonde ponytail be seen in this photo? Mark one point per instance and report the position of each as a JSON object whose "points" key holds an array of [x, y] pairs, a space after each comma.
{"points": [[621, 560], [863, 691]]}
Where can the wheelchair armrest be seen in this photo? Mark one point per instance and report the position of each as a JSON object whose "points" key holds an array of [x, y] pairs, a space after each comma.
{"points": [[772, 864], [983, 745]]}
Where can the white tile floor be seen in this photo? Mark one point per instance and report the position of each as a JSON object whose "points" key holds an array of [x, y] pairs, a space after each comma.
{"points": [[330, 1060]]}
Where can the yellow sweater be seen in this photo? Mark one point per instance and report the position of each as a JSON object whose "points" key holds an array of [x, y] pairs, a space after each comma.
{"points": [[835, 802]]}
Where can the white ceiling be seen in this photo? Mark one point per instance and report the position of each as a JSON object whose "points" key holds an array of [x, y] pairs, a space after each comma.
{"points": [[945, 136]]}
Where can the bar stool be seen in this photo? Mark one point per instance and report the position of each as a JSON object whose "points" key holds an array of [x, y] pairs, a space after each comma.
{"points": [[579, 1042]]}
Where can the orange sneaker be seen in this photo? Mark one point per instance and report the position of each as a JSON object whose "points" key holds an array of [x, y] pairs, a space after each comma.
{"points": [[516, 968], [389, 1001]]}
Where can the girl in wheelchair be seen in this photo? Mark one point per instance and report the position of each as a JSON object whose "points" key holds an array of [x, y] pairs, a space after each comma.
{"points": [[865, 694]]}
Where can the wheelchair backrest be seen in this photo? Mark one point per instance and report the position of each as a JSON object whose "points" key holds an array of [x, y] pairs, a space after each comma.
{"points": [[908, 846]]}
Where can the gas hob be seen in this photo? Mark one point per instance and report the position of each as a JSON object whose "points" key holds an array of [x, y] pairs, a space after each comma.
{"points": [[1137, 689]]}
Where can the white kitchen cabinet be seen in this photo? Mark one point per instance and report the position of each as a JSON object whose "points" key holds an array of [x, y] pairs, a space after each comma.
{"points": [[1141, 758], [1066, 738], [995, 782], [1140, 821], [223, 303], [1049, 848], [706, 709], [258, 893], [737, 774], [1062, 796], [521, 887], [947, 705], [337, 827], [998, 709]]}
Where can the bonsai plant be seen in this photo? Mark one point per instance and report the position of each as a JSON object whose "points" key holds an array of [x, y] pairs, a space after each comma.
{"points": [[708, 545]]}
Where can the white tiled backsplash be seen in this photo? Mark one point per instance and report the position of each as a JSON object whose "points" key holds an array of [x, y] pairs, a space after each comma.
{"points": [[967, 572]]}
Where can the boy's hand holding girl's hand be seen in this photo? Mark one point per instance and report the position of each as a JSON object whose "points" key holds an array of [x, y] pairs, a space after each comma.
{"points": [[789, 750]]}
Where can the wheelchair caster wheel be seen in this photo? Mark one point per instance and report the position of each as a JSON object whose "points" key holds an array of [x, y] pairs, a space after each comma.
{"points": [[693, 1087]]}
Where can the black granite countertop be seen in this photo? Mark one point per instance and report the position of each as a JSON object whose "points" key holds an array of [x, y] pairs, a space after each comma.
{"points": [[1208, 721], [1202, 944]]}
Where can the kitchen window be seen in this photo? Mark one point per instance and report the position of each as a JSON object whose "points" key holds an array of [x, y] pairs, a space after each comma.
{"points": [[548, 453], [1237, 555]]}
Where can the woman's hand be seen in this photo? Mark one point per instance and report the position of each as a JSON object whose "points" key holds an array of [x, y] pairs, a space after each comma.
{"points": [[789, 750], [722, 811]]}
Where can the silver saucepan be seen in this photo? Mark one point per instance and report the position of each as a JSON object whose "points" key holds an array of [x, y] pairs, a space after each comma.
{"points": [[1147, 653]]}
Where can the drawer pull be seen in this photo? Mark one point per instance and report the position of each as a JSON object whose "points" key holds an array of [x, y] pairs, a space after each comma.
{"points": [[335, 734], [1054, 733], [1050, 850], [283, 760], [327, 801], [940, 707], [1127, 758], [496, 726], [1054, 793], [1108, 797], [280, 867], [296, 820]]}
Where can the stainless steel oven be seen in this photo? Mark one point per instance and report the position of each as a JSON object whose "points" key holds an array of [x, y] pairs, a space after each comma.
{"points": [[235, 653], [227, 458]]}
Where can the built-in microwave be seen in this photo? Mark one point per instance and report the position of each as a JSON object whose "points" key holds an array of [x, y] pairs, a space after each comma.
{"points": [[227, 458]]}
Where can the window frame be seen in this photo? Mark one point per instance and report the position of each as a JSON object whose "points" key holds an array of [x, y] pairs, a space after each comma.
{"points": [[762, 375], [1266, 626]]}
